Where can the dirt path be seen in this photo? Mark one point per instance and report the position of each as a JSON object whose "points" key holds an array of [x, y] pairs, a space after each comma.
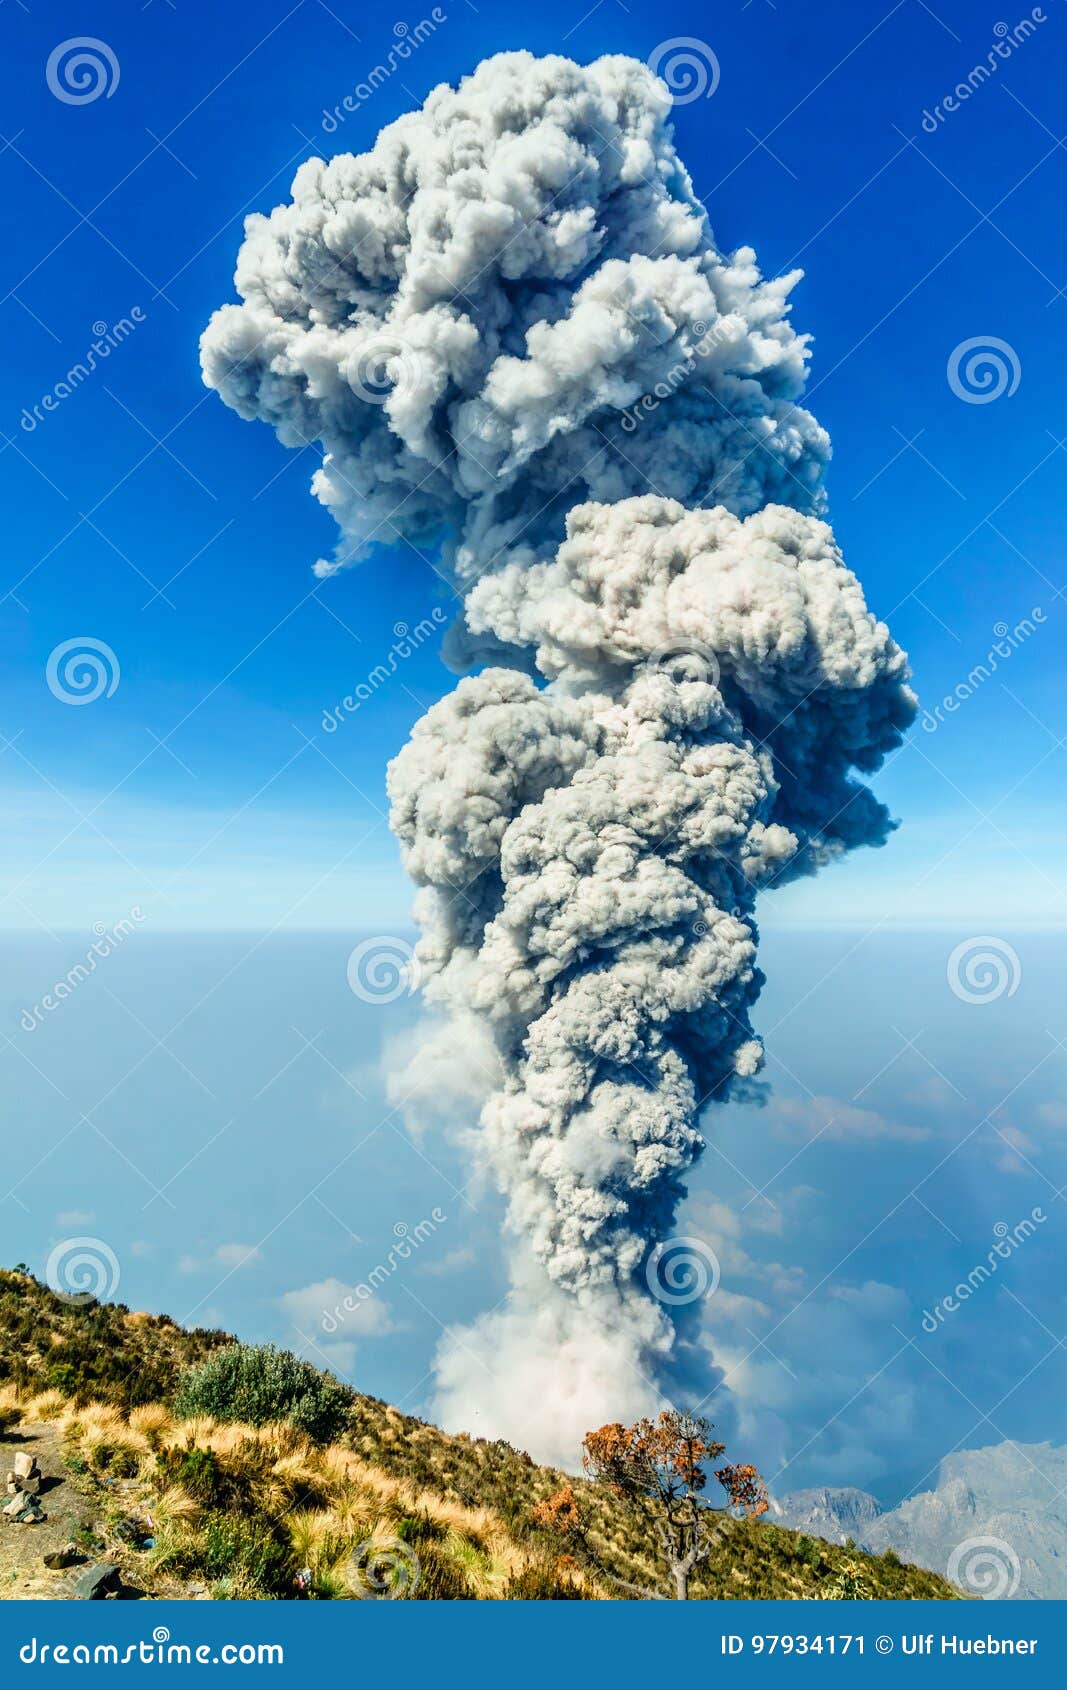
{"points": [[23, 1575]]}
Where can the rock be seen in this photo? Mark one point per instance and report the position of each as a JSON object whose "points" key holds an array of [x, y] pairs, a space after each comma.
{"points": [[61, 1559], [834, 1513], [24, 1510], [96, 1582], [25, 1466]]}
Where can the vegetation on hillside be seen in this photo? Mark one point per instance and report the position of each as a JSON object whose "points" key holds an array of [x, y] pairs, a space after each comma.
{"points": [[258, 1384], [365, 1504], [90, 1350]]}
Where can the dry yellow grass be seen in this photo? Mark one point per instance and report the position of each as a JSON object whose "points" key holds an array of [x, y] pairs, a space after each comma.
{"points": [[152, 1420], [328, 1501], [45, 1405]]}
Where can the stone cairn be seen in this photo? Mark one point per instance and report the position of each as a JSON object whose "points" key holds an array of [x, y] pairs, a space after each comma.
{"points": [[23, 1490]]}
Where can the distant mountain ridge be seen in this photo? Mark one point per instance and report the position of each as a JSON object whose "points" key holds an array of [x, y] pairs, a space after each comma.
{"points": [[995, 1523]]}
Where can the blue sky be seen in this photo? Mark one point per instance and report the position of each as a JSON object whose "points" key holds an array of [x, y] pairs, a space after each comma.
{"points": [[204, 793]]}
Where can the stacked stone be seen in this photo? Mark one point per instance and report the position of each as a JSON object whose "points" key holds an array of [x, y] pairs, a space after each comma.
{"points": [[23, 1489]]}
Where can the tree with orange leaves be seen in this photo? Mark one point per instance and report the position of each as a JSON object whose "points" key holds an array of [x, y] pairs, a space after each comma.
{"points": [[661, 1466]]}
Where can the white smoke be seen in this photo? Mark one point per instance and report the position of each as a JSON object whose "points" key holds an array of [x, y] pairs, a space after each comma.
{"points": [[462, 317]]}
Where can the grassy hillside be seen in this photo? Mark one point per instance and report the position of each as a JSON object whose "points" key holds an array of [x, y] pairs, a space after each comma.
{"points": [[391, 1505], [91, 1350]]}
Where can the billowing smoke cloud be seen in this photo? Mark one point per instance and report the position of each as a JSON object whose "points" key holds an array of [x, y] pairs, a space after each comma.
{"points": [[463, 315], [512, 331]]}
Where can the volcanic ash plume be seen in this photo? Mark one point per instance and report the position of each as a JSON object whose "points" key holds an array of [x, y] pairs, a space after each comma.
{"points": [[679, 697]]}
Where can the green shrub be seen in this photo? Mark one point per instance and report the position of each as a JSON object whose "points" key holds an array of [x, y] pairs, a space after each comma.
{"points": [[420, 1528], [197, 1471], [240, 1555], [119, 1460], [253, 1550], [255, 1384], [62, 1376]]}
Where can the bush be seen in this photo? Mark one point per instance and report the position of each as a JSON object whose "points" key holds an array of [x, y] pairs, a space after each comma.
{"points": [[197, 1472], [256, 1384], [420, 1528], [254, 1552], [541, 1582], [240, 1555]]}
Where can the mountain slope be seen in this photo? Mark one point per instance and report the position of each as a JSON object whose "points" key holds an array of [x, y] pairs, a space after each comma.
{"points": [[194, 1506]]}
